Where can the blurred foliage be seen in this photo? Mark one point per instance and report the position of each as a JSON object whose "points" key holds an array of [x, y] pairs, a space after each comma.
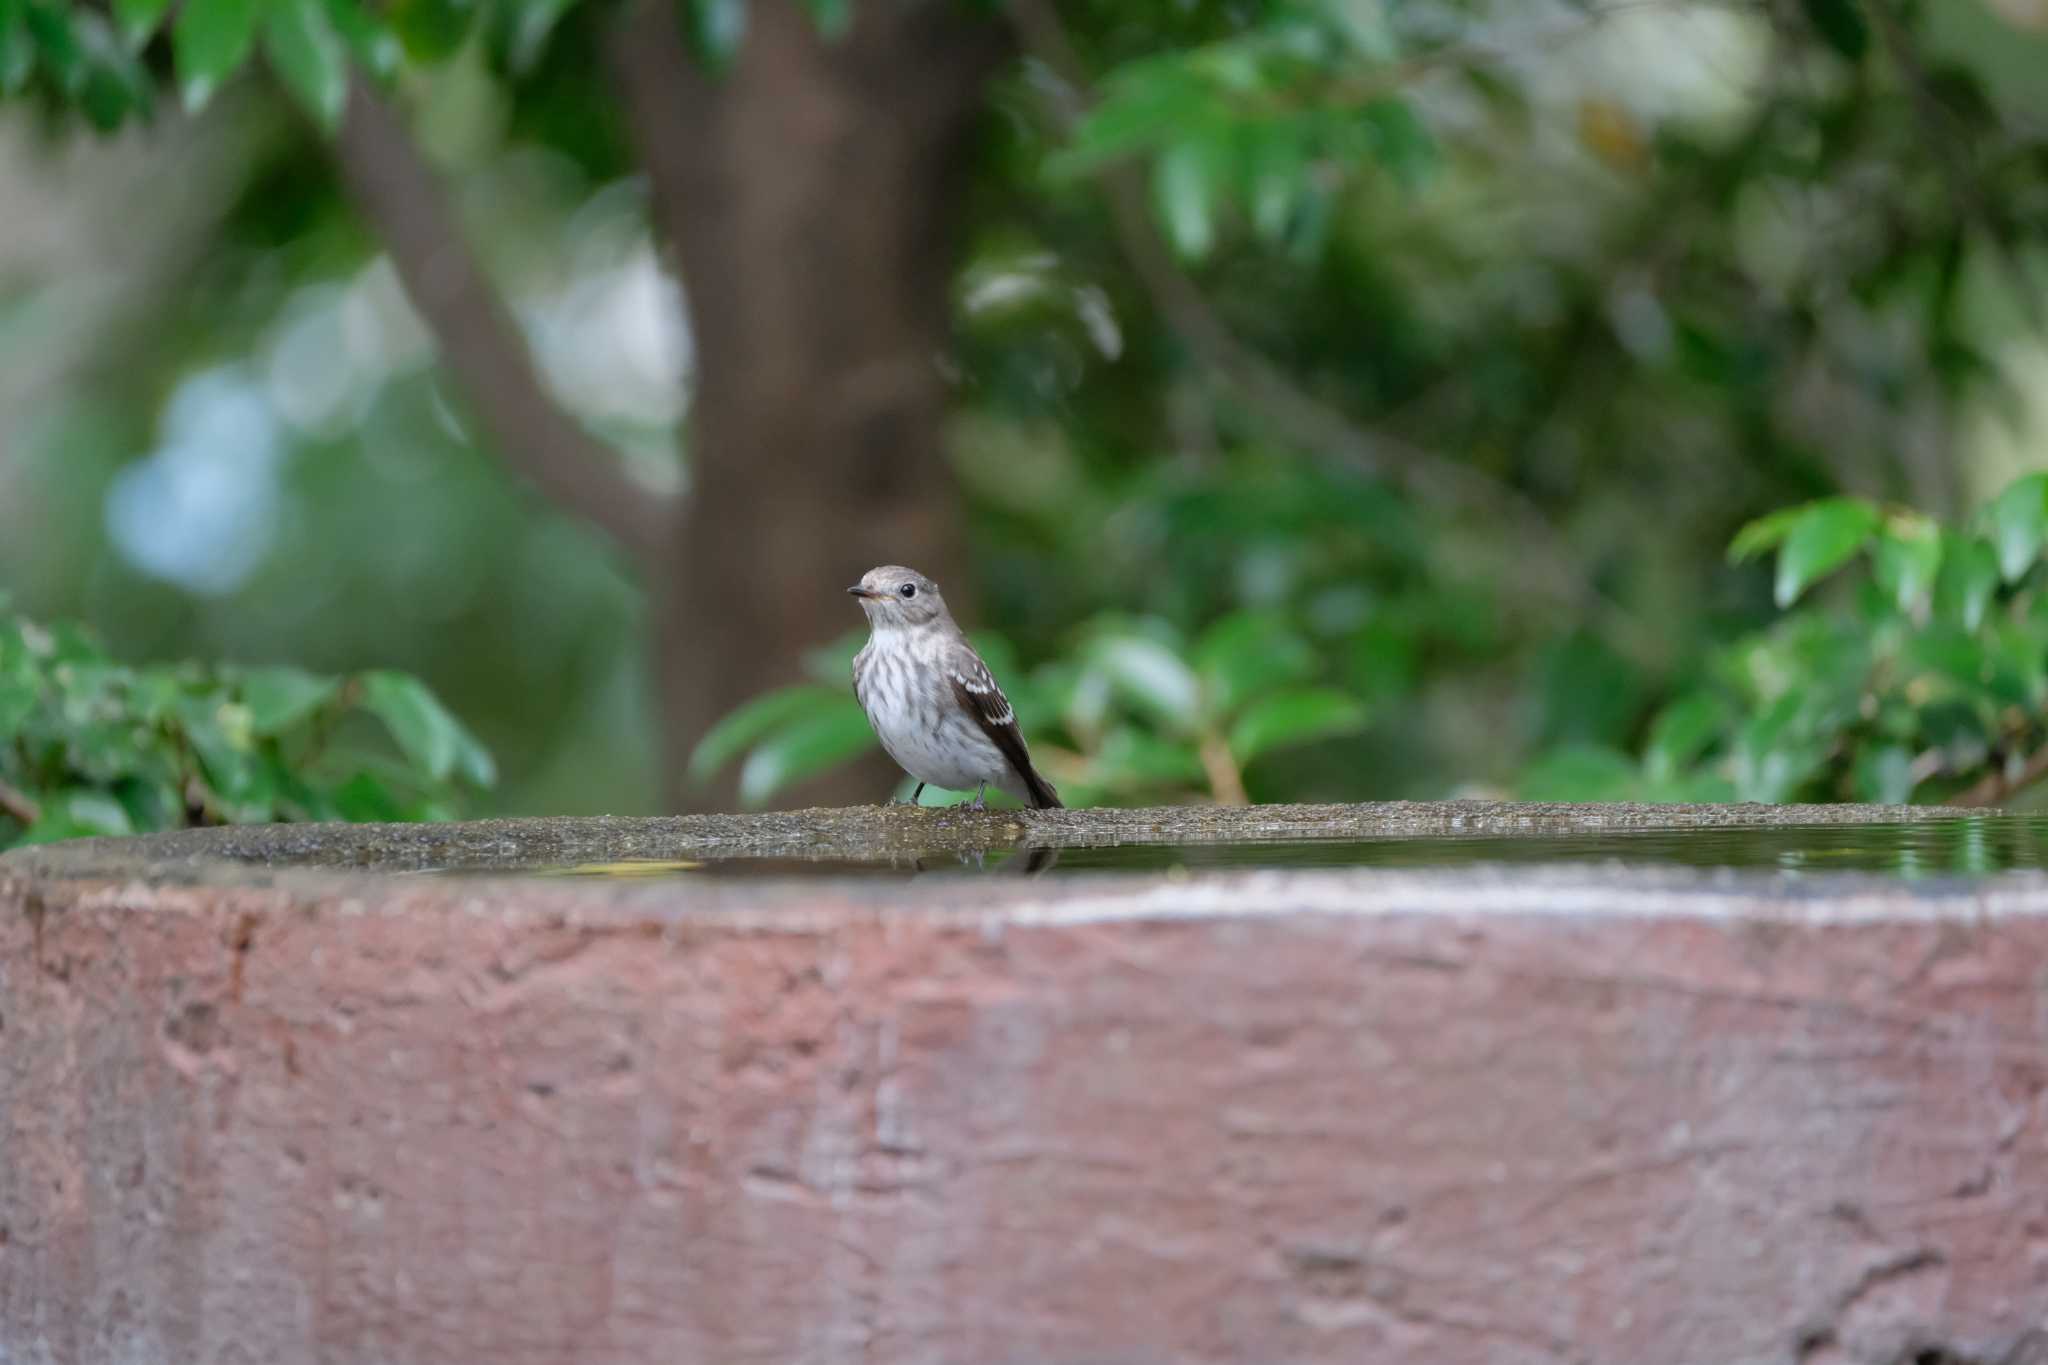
{"points": [[92, 746], [1928, 681], [98, 59], [1134, 713], [1592, 286], [1926, 678]]}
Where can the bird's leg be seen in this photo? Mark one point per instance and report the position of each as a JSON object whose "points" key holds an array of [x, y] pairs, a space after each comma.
{"points": [[913, 797], [979, 804]]}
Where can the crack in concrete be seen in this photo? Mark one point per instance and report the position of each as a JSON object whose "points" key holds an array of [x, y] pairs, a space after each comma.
{"points": [[1335, 1278], [1827, 1335]]}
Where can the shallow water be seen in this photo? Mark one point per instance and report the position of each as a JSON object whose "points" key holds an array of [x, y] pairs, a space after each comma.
{"points": [[1972, 846]]}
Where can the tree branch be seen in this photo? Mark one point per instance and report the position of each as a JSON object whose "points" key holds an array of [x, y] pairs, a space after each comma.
{"points": [[18, 804], [480, 341], [1298, 415], [1226, 782], [1996, 786]]}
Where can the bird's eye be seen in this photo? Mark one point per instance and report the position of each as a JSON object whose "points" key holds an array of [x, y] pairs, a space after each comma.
{"points": [[908, 590]]}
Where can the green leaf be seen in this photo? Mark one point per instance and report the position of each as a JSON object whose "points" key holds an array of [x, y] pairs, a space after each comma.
{"points": [[308, 57], [49, 25], [1586, 692], [1148, 102], [152, 803], [833, 17], [1946, 650], [1278, 172], [2023, 653], [1841, 24], [138, 19], [17, 50], [1247, 653], [19, 697], [1968, 578], [426, 732], [740, 729], [1905, 559], [280, 698], [1183, 191], [79, 815], [715, 29], [2019, 525], [1233, 66], [1151, 675], [113, 84], [1696, 788], [110, 749], [1763, 533], [1821, 540], [1080, 695], [365, 798], [98, 812], [430, 31], [155, 695], [1581, 772], [1368, 29], [531, 23], [1384, 658], [1682, 732], [1776, 750], [1294, 718], [366, 37], [212, 723], [1133, 758], [244, 785], [1884, 774], [221, 734], [811, 745], [1400, 142], [209, 41]]}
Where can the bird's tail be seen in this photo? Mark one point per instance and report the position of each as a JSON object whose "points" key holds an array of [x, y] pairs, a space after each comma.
{"points": [[1042, 795]]}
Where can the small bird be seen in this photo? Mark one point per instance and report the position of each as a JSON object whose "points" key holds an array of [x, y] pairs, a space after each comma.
{"points": [[932, 700]]}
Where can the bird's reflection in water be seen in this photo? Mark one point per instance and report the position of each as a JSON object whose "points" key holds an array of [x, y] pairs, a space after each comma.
{"points": [[1029, 861], [1036, 859]]}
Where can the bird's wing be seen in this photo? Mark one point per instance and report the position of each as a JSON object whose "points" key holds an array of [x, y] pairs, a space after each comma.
{"points": [[975, 689]]}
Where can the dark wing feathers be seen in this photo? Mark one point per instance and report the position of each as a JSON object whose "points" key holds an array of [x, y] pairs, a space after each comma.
{"points": [[976, 690]]}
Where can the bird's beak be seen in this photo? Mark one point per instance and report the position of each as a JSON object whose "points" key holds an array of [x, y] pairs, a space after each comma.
{"points": [[858, 591]]}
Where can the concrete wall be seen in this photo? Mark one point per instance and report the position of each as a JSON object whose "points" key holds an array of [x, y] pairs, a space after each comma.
{"points": [[1324, 1117]]}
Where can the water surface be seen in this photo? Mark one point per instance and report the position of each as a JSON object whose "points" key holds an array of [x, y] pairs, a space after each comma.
{"points": [[1969, 846]]}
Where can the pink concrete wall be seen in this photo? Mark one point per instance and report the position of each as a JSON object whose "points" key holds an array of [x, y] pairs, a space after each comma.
{"points": [[1418, 1119]]}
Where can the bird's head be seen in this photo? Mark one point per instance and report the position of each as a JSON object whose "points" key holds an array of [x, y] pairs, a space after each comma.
{"points": [[894, 596]]}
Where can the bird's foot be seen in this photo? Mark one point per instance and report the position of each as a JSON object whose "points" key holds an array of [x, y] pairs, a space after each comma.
{"points": [[979, 803]]}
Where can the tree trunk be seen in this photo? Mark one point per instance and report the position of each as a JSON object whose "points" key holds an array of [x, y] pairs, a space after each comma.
{"points": [[810, 194]]}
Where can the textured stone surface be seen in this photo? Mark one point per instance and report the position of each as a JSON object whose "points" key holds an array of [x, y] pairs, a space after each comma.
{"points": [[881, 832], [279, 1115]]}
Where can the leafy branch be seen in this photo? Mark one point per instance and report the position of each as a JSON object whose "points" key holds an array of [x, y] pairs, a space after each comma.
{"points": [[1942, 142], [1924, 678], [1548, 563], [99, 747], [1133, 712]]}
